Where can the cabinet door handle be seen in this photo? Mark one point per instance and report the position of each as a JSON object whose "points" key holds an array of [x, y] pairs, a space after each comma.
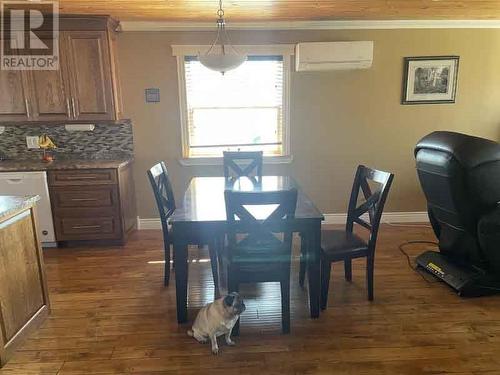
{"points": [[74, 107], [68, 108], [27, 104], [86, 227], [84, 199], [81, 177]]}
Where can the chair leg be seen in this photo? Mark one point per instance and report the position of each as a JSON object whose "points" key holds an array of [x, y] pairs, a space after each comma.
{"points": [[212, 250], [236, 328], [233, 286], [285, 306], [221, 243], [166, 268], [221, 240], [325, 282], [302, 270], [370, 263], [303, 260], [348, 269]]}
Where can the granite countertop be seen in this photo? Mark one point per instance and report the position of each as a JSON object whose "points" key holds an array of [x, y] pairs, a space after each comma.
{"points": [[38, 165], [10, 205]]}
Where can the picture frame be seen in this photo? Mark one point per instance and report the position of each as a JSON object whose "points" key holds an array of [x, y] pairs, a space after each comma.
{"points": [[430, 79]]}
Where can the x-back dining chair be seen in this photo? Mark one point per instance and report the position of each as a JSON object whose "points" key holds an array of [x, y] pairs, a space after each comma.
{"points": [[243, 164], [345, 245], [259, 248], [164, 196]]}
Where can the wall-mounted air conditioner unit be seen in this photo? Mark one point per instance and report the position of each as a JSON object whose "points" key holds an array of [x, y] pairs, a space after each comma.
{"points": [[333, 56]]}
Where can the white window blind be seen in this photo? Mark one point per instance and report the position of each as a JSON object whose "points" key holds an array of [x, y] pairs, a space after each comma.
{"points": [[240, 110]]}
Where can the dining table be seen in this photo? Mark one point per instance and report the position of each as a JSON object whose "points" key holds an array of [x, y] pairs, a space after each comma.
{"points": [[203, 214]]}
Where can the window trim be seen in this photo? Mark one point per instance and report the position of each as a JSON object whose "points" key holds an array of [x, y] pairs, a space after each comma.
{"points": [[285, 50]]}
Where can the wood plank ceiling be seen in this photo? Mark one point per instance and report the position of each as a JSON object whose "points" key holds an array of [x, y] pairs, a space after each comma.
{"points": [[286, 10]]}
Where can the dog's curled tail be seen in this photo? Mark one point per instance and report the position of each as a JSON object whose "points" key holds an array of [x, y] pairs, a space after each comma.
{"points": [[190, 333]]}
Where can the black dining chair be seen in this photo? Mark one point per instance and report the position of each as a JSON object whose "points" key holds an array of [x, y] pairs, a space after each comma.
{"points": [[259, 249], [344, 245], [164, 196], [243, 164]]}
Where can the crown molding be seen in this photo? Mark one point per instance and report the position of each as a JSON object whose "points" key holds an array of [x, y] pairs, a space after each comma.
{"points": [[264, 49], [312, 25]]}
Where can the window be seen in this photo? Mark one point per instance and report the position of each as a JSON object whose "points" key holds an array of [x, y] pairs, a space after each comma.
{"points": [[245, 109]]}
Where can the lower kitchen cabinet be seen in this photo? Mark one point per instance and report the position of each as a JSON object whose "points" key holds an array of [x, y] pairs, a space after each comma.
{"points": [[24, 300], [92, 205]]}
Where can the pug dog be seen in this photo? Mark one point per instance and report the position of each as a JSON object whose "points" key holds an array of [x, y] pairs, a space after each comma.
{"points": [[216, 319]]}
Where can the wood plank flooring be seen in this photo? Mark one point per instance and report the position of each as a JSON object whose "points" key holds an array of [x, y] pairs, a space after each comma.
{"points": [[112, 315]]}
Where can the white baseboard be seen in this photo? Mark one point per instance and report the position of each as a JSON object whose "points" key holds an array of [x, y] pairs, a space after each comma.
{"points": [[151, 223], [388, 217]]}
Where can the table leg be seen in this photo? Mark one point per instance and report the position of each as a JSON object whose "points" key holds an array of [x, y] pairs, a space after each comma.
{"points": [[181, 279], [313, 267]]}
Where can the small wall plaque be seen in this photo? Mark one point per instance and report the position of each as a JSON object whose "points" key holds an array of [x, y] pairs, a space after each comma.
{"points": [[152, 95]]}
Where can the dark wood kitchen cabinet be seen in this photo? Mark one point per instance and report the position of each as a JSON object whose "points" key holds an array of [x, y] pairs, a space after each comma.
{"points": [[88, 59], [49, 99], [14, 96], [49, 91], [92, 205], [34, 95], [84, 88]]}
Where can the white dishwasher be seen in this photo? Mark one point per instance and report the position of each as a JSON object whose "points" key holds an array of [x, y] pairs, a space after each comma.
{"points": [[32, 183]]}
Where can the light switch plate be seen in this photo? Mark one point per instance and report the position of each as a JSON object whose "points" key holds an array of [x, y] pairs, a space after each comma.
{"points": [[32, 142], [152, 95]]}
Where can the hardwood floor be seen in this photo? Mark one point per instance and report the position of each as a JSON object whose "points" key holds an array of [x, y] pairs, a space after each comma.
{"points": [[112, 315]]}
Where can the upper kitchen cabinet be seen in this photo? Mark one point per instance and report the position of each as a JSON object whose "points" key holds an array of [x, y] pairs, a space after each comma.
{"points": [[49, 98], [85, 88], [49, 92], [88, 58], [14, 102], [14, 95]]}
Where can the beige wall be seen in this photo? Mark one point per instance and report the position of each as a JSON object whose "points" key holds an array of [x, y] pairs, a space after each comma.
{"points": [[338, 119]]}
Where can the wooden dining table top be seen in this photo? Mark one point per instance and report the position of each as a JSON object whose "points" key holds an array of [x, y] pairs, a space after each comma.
{"points": [[204, 198]]}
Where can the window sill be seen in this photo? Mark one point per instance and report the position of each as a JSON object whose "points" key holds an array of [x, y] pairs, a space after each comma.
{"points": [[218, 161]]}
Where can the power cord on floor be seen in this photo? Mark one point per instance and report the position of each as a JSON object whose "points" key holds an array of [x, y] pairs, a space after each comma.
{"points": [[415, 268]]}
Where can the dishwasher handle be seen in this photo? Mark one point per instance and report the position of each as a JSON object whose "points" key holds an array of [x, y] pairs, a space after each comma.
{"points": [[14, 181], [16, 178]]}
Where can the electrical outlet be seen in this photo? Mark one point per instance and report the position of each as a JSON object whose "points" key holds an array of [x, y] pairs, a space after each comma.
{"points": [[32, 142]]}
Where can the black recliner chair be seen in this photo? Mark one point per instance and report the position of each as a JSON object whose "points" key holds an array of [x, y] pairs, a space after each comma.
{"points": [[460, 176]]}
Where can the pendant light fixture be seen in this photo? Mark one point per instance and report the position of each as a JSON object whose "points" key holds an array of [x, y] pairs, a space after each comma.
{"points": [[227, 58]]}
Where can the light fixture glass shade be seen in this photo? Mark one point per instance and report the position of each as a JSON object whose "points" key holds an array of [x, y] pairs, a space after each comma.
{"points": [[219, 58], [222, 62]]}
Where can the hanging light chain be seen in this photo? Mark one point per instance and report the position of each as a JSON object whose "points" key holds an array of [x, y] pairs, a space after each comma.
{"points": [[220, 14], [221, 28]]}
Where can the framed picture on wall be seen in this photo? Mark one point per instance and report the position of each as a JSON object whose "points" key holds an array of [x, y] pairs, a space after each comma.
{"points": [[430, 79]]}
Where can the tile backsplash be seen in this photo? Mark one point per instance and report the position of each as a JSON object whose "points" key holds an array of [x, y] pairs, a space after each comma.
{"points": [[104, 142]]}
